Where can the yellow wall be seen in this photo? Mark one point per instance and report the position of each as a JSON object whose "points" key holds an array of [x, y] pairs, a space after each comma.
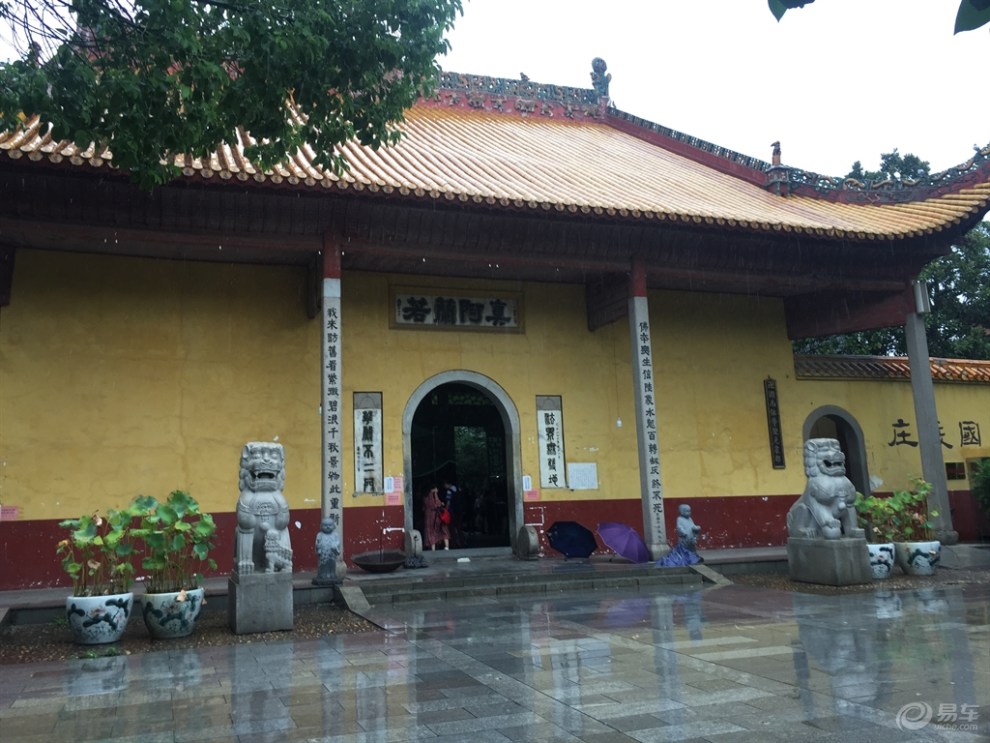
{"points": [[121, 376], [712, 354], [876, 406], [556, 355]]}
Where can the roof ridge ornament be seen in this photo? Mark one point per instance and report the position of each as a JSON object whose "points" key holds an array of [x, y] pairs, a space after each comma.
{"points": [[600, 80], [778, 176], [891, 190]]}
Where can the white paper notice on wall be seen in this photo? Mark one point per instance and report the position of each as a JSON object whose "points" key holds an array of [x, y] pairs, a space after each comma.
{"points": [[582, 475]]}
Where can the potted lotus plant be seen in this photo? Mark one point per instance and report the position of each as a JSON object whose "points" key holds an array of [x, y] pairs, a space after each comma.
{"points": [[97, 557], [904, 519], [176, 539], [874, 515]]}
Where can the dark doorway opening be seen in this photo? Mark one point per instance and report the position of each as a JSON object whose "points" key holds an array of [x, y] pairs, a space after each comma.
{"points": [[458, 436], [832, 425]]}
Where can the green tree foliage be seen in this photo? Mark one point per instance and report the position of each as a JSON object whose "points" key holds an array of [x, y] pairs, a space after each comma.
{"points": [[155, 78], [959, 286], [971, 14], [893, 167]]}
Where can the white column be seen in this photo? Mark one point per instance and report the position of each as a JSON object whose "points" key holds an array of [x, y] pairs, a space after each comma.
{"points": [[333, 461], [647, 426], [929, 437]]}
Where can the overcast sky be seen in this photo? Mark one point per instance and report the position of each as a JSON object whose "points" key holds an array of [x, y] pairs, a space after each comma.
{"points": [[835, 82]]}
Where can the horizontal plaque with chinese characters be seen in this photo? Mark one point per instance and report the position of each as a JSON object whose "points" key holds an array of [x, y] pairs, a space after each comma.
{"points": [[453, 310]]}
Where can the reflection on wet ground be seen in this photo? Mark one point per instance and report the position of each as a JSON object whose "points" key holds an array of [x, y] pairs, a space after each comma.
{"points": [[719, 664]]}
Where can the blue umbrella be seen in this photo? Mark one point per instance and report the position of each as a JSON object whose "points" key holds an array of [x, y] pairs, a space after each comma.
{"points": [[571, 539]]}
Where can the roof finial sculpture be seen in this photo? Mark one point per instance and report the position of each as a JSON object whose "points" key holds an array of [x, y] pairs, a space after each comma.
{"points": [[599, 81], [778, 175]]}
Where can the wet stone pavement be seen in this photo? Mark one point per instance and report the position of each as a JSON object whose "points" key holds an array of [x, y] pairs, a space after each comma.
{"points": [[732, 663]]}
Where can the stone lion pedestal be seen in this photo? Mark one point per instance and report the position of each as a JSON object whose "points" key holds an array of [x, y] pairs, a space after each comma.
{"points": [[824, 544], [260, 602], [831, 562], [260, 588]]}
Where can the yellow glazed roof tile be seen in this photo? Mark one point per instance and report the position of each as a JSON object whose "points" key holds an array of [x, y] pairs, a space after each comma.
{"points": [[598, 165]]}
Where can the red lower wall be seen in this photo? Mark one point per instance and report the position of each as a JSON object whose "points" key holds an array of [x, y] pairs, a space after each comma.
{"points": [[27, 548]]}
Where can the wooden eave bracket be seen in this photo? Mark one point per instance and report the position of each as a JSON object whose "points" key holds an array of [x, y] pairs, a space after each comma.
{"points": [[812, 315], [606, 299], [313, 297], [7, 253]]}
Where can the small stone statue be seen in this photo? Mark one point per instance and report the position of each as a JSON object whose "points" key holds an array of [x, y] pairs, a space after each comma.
{"points": [[327, 553], [262, 511], [825, 508], [687, 530], [685, 552], [276, 557]]}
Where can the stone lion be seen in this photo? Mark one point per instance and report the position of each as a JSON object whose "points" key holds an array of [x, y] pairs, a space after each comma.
{"points": [[825, 508], [262, 510]]}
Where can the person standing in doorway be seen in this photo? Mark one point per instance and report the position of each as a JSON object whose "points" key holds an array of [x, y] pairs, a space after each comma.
{"points": [[452, 499], [435, 529]]}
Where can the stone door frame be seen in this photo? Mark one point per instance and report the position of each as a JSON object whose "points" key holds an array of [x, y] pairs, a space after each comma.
{"points": [[856, 467], [510, 422]]}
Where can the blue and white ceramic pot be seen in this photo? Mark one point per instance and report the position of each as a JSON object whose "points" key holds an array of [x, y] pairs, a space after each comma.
{"points": [[172, 614], [96, 620], [881, 560], [918, 558]]}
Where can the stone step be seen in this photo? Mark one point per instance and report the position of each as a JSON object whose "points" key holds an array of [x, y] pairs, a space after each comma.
{"points": [[405, 590]]}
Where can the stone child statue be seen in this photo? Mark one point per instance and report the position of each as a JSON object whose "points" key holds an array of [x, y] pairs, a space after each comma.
{"points": [[327, 553], [687, 530], [262, 511], [685, 552], [825, 508]]}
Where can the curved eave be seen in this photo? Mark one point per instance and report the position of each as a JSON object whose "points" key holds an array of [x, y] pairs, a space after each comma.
{"points": [[584, 168]]}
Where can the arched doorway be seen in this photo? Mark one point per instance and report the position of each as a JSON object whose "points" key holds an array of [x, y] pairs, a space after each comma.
{"points": [[461, 427], [832, 422]]}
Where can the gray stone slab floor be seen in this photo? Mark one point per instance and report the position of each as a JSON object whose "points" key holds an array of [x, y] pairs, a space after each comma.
{"points": [[718, 664]]}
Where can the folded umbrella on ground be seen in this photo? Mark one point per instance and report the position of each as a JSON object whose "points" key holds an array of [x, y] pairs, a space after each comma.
{"points": [[571, 539], [624, 541]]}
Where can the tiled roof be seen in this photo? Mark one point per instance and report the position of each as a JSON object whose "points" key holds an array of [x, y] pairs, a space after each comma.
{"points": [[888, 367], [553, 156]]}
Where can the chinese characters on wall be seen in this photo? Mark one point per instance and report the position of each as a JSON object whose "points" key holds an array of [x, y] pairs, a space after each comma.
{"points": [[773, 423], [368, 475], [550, 435], [902, 434], [435, 310]]}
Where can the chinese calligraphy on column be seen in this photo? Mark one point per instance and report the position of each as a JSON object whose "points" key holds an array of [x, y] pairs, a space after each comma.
{"points": [[333, 474], [368, 476], [550, 436], [648, 421]]}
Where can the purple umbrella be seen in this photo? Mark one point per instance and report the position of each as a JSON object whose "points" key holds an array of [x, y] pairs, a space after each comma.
{"points": [[624, 541]]}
